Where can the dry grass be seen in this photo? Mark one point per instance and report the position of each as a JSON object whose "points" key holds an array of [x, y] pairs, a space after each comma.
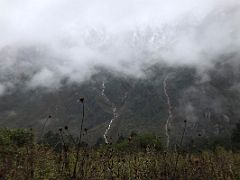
{"points": [[38, 162]]}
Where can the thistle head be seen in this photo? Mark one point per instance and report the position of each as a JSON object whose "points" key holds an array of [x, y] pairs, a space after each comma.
{"points": [[130, 138], [81, 99]]}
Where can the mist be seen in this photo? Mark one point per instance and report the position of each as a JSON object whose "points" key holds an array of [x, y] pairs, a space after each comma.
{"points": [[44, 42]]}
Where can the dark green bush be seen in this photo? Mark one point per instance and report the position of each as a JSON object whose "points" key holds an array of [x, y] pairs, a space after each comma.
{"points": [[139, 143], [17, 137]]}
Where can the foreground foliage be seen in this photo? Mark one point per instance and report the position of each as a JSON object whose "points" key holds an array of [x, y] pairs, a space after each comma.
{"points": [[22, 158]]}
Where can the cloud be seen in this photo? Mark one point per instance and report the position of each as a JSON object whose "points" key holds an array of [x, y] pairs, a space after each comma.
{"points": [[2, 89], [44, 78], [47, 41]]}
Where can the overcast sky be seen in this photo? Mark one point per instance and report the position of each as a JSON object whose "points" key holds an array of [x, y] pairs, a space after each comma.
{"points": [[70, 37], [45, 20]]}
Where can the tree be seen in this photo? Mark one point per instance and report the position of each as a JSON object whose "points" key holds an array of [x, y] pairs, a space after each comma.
{"points": [[100, 141], [51, 139], [139, 143], [235, 138]]}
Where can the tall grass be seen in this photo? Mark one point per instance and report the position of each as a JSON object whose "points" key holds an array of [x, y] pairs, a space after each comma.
{"points": [[36, 161]]}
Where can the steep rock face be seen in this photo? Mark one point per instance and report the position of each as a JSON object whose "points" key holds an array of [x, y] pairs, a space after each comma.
{"points": [[209, 100]]}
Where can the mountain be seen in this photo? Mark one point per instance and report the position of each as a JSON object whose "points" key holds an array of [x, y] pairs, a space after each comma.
{"points": [[209, 99]]}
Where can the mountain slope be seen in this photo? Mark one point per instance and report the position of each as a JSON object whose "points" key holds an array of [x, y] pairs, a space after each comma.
{"points": [[209, 100]]}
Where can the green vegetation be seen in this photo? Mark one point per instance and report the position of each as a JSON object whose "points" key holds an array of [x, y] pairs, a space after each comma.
{"points": [[135, 143], [236, 137], [139, 156]]}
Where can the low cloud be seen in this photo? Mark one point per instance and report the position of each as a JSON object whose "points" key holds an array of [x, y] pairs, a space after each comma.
{"points": [[43, 42], [2, 89]]}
